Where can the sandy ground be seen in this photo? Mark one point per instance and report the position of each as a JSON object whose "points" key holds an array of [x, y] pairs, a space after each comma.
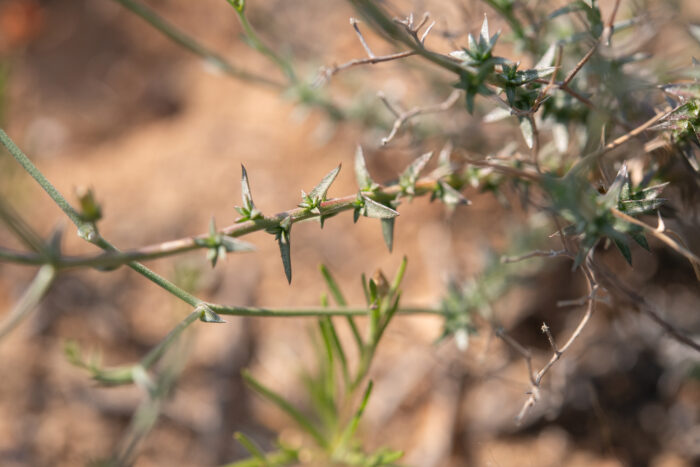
{"points": [[98, 99]]}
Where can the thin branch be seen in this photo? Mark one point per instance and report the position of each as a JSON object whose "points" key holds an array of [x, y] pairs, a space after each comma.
{"points": [[189, 43], [326, 73], [31, 298], [579, 65], [660, 235], [403, 116], [612, 283], [534, 392], [525, 353], [534, 254]]}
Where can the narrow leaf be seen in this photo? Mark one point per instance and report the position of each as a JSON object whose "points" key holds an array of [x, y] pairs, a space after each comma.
{"points": [[452, 197], [484, 36], [252, 448], [364, 181], [377, 210], [498, 113], [409, 176], [388, 232], [527, 131], [245, 189], [232, 244], [624, 249], [285, 406], [352, 426], [319, 192], [639, 237], [208, 315], [547, 58], [285, 252]]}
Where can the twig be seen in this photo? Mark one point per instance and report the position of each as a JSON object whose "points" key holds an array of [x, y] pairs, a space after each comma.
{"points": [[326, 73], [611, 282], [525, 353], [403, 116], [610, 26], [534, 390], [534, 254], [579, 65], [189, 43], [31, 298], [659, 234]]}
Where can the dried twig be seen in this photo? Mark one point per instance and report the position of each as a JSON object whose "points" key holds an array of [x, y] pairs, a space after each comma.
{"points": [[326, 73], [403, 116], [534, 254]]}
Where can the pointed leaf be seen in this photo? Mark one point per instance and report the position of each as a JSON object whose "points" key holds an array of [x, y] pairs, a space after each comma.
{"points": [[252, 447], [232, 244], [388, 232], [547, 58], [472, 43], [377, 210], [498, 113], [484, 36], [452, 197], [285, 252], [208, 315], [639, 237], [527, 131], [408, 178], [624, 249], [301, 420], [319, 192], [612, 196], [245, 189], [364, 181]]}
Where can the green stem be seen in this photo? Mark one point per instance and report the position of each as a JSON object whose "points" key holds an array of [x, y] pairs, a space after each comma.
{"points": [[31, 298], [158, 351], [259, 45], [41, 180], [83, 226], [308, 311], [189, 43]]}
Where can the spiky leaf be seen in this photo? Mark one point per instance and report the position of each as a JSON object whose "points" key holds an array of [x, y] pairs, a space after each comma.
{"points": [[388, 232]]}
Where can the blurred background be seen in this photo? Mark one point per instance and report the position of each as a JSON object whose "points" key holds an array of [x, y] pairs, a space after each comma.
{"points": [[98, 98]]}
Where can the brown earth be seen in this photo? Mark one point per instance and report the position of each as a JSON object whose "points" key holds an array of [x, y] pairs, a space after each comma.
{"points": [[97, 98]]}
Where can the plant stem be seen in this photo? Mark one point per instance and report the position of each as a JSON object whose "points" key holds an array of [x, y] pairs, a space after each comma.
{"points": [[41, 180], [189, 43], [259, 45], [308, 311], [31, 298], [158, 351]]}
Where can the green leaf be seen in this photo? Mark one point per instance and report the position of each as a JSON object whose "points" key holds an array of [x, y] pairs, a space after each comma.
{"points": [[285, 252], [409, 177], [364, 181], [320, 190], [252, 448], [248, 211], [547, 58], [388, 232], [484, 36], [351, 428], [208, 315], [450, 196], [231, 244], [639, 237], [301, 420], [527, 131], [624, 249], [239, 5], [377, 210]]}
